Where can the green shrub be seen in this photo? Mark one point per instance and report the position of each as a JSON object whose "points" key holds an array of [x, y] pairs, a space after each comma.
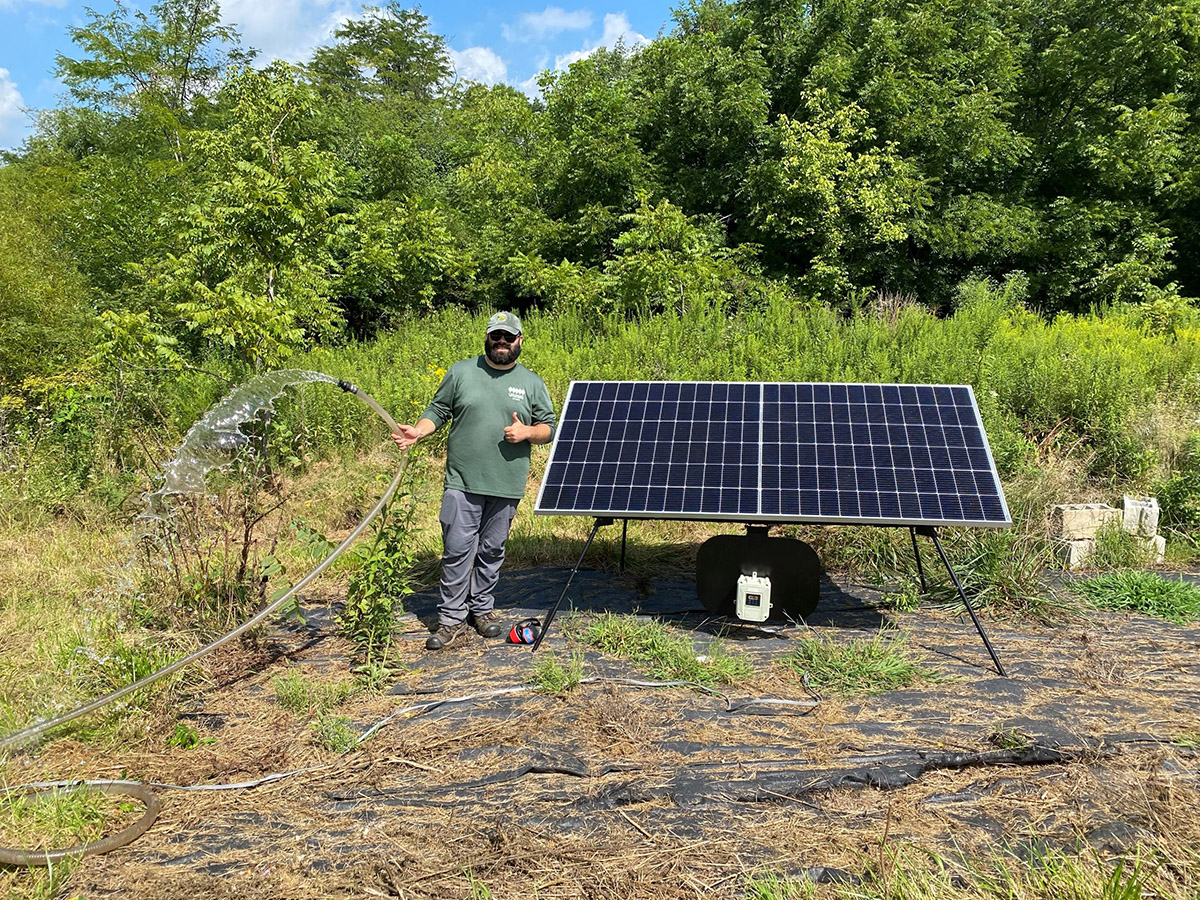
{"points": [[1179, 493], [377, 588]]}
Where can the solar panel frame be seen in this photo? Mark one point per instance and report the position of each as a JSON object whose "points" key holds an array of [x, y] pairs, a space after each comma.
{"points": [[723, 466]]}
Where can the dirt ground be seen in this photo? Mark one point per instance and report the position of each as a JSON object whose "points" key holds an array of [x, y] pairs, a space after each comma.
{"points": [[625, 790]]}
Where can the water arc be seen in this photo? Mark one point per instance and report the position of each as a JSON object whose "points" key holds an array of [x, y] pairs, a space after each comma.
{"points": [[210, 443]]}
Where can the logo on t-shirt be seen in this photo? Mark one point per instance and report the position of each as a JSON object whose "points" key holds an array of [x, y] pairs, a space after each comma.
{"points": [[516, 393]]}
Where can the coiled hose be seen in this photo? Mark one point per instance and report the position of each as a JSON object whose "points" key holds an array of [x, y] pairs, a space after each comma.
{"points": [[10, 856]]}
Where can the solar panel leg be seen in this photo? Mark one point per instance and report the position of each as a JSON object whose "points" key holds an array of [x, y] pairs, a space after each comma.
{"points": [[917, 553], [931, 532], [567, 586], [624, 534]]}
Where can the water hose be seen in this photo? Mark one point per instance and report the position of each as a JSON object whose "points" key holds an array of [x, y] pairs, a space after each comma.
{"points": [[11, 856]]}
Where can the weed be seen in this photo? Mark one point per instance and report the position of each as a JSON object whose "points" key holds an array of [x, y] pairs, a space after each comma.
{"points": [[670, 658], [376, 671], [479, 889], [298, 693], [1116, 549], [1007, 737], [861, 667], [552, 677], [905, 598], [376, 590], [1145, 592], [334, 733], [185, 737]]}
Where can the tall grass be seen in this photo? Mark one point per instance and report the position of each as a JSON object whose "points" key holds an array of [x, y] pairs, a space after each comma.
{"points": [[1074, 379]]}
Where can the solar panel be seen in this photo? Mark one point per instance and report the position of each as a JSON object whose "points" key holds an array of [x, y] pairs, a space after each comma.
{"points": [[878, 454]]}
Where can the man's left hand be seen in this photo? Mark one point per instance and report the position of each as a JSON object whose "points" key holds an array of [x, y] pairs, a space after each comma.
{"points": [[517, 431]]}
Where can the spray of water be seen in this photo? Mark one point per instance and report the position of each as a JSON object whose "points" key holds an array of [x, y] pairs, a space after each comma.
{"points": [[217, 439], [215, 442]]}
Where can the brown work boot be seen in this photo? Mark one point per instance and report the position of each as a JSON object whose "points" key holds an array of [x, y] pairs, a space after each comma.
{"points": [[488, 624], [447, 636]]}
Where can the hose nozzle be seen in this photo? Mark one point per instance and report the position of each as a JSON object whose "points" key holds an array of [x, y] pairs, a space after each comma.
{"points": [[347, 387]]}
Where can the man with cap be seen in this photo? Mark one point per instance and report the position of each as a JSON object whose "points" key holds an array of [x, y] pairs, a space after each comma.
{"points": [[497, 409]]}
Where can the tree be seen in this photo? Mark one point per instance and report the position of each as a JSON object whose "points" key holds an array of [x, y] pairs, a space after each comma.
{"points": [[251, 271], [387, 52], [831, 198], [155, 66]]}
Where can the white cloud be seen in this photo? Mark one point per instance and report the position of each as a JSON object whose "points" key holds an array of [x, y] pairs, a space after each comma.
{"points": [[13, 121], [530, 87], [286, 29], [479, 64], [616, 28], [551, 21]]}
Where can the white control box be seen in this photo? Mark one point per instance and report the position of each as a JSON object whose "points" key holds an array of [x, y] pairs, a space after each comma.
{"points": [[753, 597]]}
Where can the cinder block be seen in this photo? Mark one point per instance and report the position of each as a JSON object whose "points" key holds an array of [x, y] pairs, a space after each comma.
{"points": [[1076, 521], [1073, 554], [1140, 516], [1157, 547]]}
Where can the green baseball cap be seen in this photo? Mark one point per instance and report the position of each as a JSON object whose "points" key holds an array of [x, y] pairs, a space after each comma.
{"points": [[504, 321]]}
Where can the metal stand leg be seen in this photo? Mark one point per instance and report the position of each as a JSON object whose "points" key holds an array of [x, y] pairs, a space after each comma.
{"points": [[624, 534], [912, 532], [567, 586], [931, 532]]}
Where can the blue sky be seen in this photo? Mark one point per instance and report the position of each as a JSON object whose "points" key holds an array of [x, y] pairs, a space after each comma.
{"points": [[501, 41]]}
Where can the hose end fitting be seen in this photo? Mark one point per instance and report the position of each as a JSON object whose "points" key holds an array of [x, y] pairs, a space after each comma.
{"points": [[347, 387]]}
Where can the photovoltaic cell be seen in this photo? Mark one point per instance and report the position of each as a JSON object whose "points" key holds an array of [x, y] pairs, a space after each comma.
{"points": [[886, 454]]}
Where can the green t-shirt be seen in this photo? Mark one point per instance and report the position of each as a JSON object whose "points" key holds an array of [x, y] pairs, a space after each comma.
{"points": [[479, 402]]}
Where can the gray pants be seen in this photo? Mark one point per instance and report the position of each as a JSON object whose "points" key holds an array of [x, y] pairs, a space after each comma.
{"points": [[474, 529]]}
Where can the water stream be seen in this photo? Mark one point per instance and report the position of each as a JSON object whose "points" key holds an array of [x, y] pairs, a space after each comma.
{"points": [[214, 442], [217, 439]]}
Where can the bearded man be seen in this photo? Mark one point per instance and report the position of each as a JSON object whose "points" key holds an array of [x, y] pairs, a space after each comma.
{"points": [[497, 409]]}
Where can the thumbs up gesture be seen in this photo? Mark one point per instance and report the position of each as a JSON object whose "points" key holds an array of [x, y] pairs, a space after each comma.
{"points": [[516, 432]]}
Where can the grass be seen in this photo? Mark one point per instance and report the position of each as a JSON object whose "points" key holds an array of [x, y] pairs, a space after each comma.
{"points": [[553, 677], [666, 656], [60, 818], [910, 873], [56, 819], [301, 694], [1145, 592], [858, 668]]}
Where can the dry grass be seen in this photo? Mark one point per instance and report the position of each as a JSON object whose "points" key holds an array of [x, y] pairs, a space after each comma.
{"points": [[585, 795]]}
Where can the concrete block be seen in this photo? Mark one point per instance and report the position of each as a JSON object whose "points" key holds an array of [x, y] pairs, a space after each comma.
{"points": [[1140, 516], [1157, 547], [1074, 553], [1076, 521]]}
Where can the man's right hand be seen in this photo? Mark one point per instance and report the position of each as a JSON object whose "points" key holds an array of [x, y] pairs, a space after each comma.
{"points": [[406, 436]]}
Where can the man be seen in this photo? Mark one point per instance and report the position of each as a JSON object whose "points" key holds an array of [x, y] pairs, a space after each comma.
{"points": [[497, 408]]}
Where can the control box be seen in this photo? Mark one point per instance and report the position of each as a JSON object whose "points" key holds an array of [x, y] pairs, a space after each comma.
{"points": [[753, 597]]}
